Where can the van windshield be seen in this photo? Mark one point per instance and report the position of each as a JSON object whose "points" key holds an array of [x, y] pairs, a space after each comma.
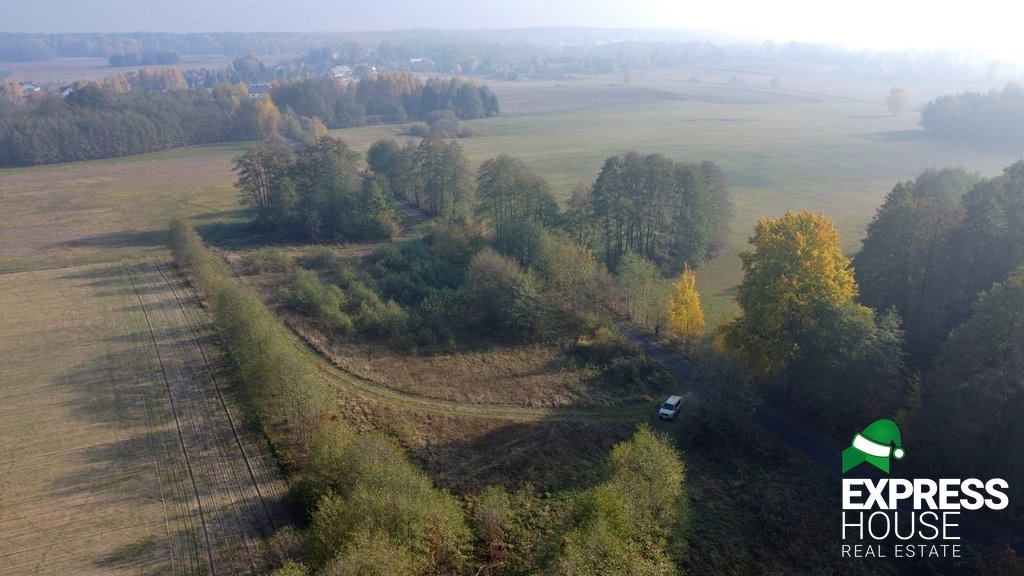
{"points": [[668, 406]]}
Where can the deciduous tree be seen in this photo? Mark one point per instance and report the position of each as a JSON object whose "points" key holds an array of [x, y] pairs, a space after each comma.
{"points": [[685, 313], [796, 265], [897, 100], [973, 411]]}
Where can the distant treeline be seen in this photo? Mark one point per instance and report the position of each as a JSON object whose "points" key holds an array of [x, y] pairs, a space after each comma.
{"points": [[152, 111], [996, 117], [94, 123], [17, 47], [389, 96], [508, 54], [145, 58]]}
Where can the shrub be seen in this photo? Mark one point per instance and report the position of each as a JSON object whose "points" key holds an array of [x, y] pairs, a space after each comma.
{"points": [[382, 319], [322, 258], [266, 260], [306, 294], [502, 299]]}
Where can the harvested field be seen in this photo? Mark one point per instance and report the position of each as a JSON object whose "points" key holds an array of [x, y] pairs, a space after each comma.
{"points": [[109, 210], [120, 448]]}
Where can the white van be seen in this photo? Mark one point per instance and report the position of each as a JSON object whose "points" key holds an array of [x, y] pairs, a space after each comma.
{"points": [[670, 409]]}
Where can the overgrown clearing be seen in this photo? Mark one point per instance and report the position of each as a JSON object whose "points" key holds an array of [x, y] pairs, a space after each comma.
{"points": [[121, 448]]}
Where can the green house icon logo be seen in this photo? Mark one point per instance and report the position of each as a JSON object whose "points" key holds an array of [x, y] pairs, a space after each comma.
{"points": [[874, 445]]}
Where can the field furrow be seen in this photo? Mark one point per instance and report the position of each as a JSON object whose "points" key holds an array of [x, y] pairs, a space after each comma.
{"points": [[119, 453], [232, 510]]}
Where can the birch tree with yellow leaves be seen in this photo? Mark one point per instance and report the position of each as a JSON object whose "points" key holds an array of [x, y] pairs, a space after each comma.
{"points": [[685, 313]]}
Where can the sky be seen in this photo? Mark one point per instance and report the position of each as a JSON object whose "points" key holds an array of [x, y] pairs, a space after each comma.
{"points": [[989, 28]]}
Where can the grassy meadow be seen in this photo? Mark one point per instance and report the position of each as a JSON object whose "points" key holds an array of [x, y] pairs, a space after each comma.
{"points": [[822, 141]]}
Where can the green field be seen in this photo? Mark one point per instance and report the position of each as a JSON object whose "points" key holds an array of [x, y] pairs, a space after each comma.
{"points": [[822, 142]]}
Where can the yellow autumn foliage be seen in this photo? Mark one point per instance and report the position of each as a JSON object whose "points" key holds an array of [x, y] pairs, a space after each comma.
{"points": [[795, 266], [685, 313]]}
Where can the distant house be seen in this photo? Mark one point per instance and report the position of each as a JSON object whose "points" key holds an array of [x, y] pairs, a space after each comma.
{"points": [[66, 90], [342, 72], [422, 65], [30, 88], [259, 90]]}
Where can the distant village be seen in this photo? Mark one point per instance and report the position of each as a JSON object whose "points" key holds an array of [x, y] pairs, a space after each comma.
{"points": [[249, 71]]}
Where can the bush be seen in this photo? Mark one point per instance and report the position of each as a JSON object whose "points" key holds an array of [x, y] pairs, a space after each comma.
{"points": [[454, 242], [306, 294], [410, 272], [382, 319], [602, 346], [385, 498], [502, 299], [322, 258], [266, 260]]}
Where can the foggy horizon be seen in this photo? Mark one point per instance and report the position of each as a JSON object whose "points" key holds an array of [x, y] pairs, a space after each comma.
{"points": [[871, 25]]}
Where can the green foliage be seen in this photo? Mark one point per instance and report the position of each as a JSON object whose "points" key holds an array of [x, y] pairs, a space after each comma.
{"points": [[265, 185], [290, 568], [996, 116], [284, 547], [515, 201], [904, 259], [410, 272], [622, 526], [366, 491], [268, 260], [384, 496], [849, 366], [398, 96], [98, 123], [933, 248], [670, 213], [644, 292], [454, 242], [321, 258], [445, 179], [602, 346], [372, 554], [572, 277], [493, 516], [972, 413], [306, 294], [324, 98], [317, 195], [502, 299], [276, 379]]}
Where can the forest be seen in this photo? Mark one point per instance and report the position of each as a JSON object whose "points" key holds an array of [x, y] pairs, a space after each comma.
{"points": [[996, 117], [155, 111]]}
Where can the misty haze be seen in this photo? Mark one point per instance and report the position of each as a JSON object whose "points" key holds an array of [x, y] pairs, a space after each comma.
{"points": [[535, 288]]}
